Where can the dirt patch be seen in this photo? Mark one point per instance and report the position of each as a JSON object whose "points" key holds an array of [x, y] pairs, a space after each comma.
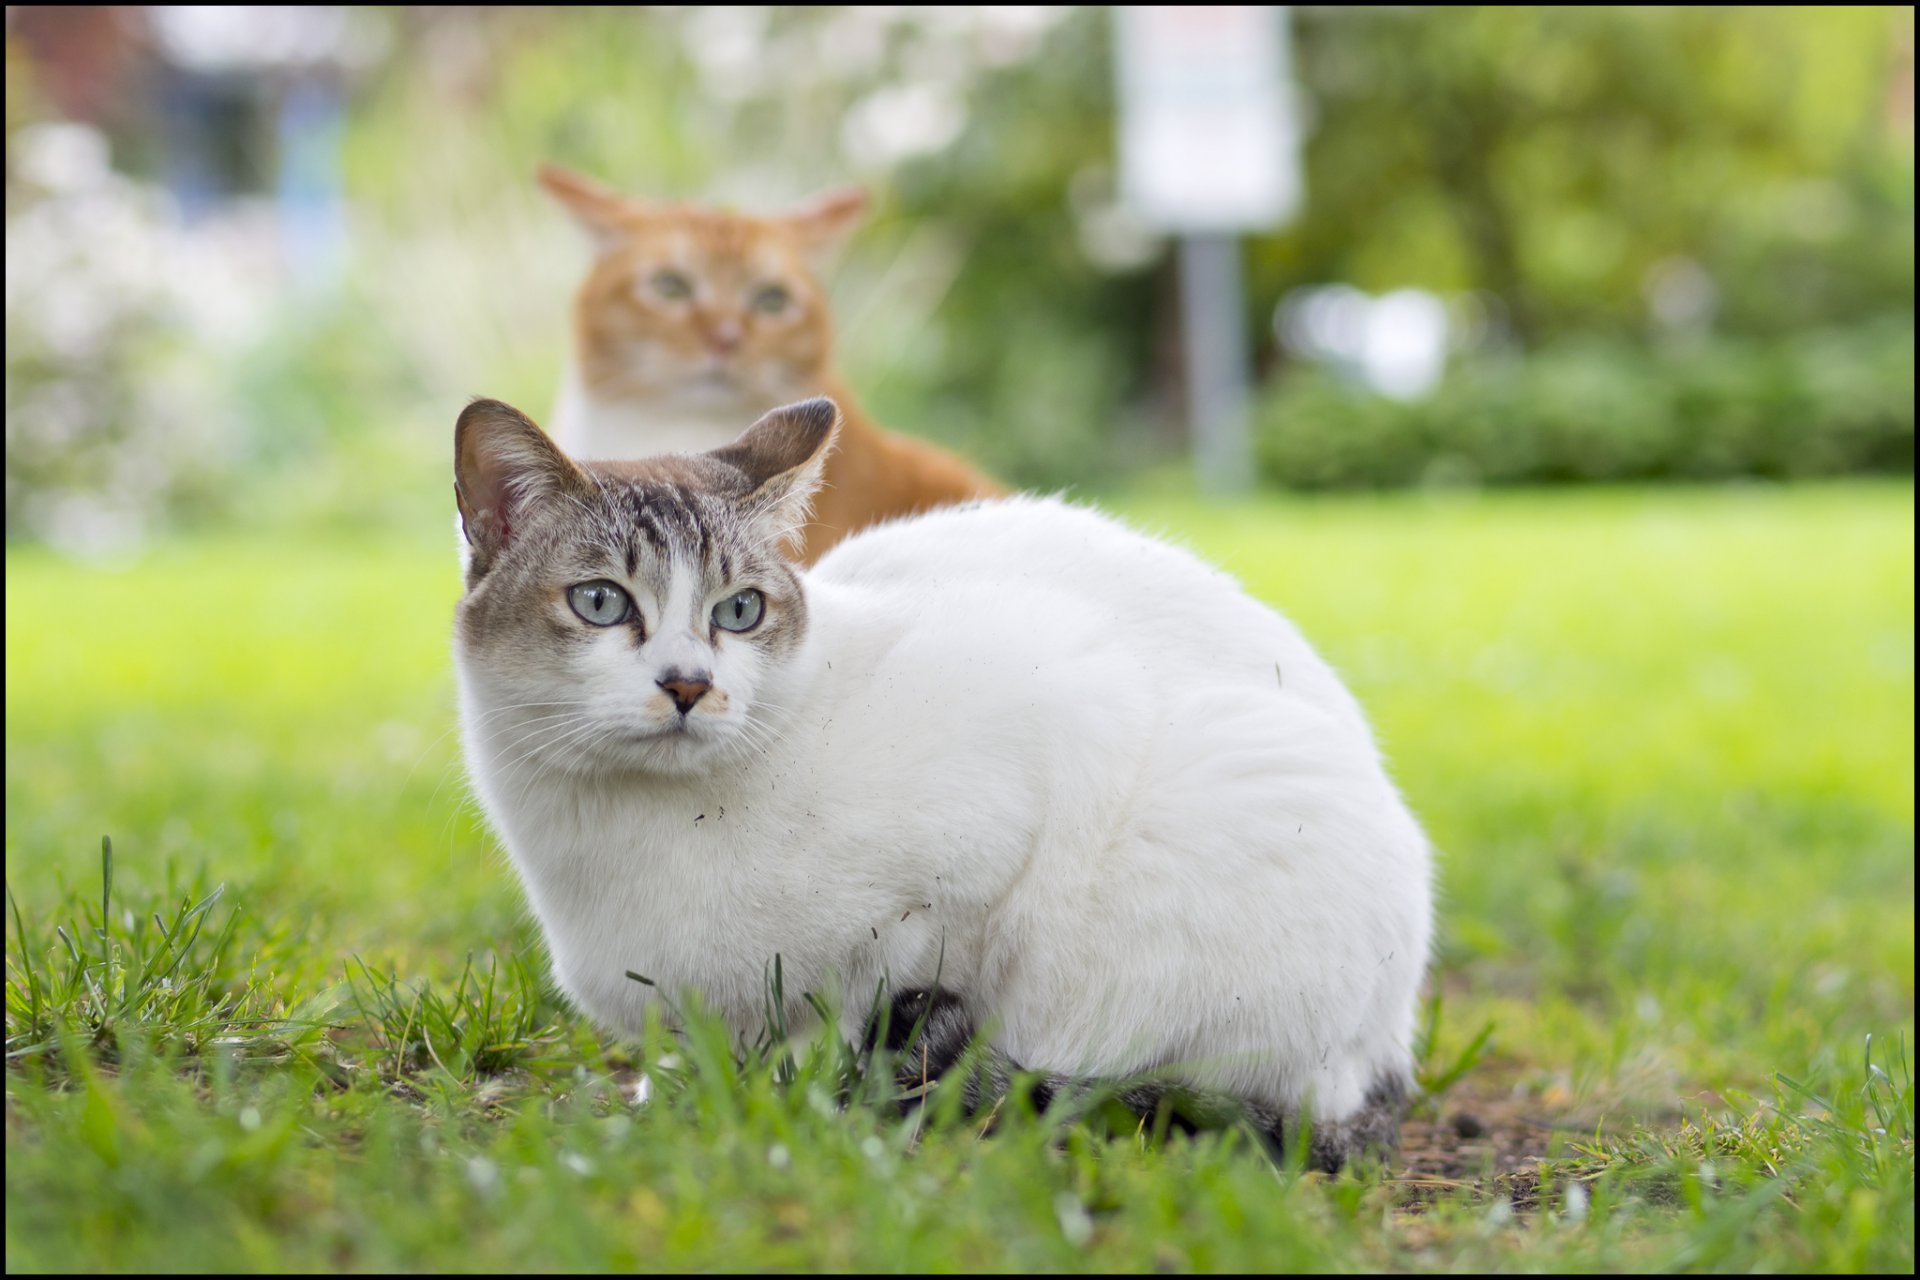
{"points": [[1474, 1138], [1487, 1141]]}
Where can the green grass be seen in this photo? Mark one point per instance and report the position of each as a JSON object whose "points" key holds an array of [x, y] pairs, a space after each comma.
{"points": [[1664, 741]]}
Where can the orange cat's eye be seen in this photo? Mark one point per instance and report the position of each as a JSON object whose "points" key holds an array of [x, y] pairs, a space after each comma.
{"points": [[671, 285], [772, 299]]}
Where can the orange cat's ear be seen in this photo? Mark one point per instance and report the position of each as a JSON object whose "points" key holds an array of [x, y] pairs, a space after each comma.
{"points": [[822, 223], [780, 460], [604, 212], [503, 467]]}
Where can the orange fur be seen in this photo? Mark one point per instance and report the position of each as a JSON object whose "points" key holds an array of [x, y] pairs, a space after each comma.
{"points": [[695, 311]]}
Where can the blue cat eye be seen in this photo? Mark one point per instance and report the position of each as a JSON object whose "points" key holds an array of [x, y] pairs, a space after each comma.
{"points": [[740, 611], [771, 298], [671, 284], [600, 603]]}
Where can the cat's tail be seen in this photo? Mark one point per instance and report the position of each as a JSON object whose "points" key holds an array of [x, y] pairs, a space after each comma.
{"points": [[930, 1033]]}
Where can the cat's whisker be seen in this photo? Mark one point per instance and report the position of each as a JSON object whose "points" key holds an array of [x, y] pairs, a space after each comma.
{"points": [[496, 732], [554, 749], [500, 731], [736, 751], [759, 737], [560, 764], [481, 719], [559, 750], [524, 721], [451, 769], [523, 754], [494, 712], [531, 738], [505, 707]]}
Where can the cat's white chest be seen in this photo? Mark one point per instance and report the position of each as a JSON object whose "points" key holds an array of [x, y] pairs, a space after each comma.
{"points": [[587, 426], [700, 888]]}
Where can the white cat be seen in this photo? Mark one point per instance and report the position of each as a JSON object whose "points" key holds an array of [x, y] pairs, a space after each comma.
{"points": [[1116, 811]]}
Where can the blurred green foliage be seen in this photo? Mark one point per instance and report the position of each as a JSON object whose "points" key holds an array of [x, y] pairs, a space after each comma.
{"points": [[1555, 156], [1553, 160], [968, 307], [1558, 167], [1819, 402], [1566, 162]]}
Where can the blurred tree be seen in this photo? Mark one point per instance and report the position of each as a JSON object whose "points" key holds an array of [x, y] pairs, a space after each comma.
{"points": [[1655, 178], [1613, 171], [1566, 159], [969, 308]]}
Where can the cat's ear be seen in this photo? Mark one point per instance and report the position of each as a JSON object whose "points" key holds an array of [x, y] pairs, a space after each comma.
{"points": [[603, 212], [780, 460], [824, 222], [503, 467]]}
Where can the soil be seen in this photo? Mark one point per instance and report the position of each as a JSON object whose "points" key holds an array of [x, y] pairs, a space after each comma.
{"points": [[1486, 1140]]}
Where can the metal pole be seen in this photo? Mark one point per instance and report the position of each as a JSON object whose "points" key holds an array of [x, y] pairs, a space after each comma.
{"points": [[1216, 361]]}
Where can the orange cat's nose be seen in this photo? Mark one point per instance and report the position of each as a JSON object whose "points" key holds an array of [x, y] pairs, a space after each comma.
{"points": [[724, 337], [685, 690]]}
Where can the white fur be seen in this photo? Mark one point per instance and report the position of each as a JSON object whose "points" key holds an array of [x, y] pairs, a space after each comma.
{"points": [[1120, 808], [694, 419]]}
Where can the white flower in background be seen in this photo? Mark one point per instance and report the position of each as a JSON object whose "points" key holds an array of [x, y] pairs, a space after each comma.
{"points": [[897, 122], [216, 37], [1395, 344], [114, 315], [724, 43]]}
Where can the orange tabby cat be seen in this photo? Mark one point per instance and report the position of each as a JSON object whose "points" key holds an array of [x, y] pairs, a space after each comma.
{"points": [[694, 321]]}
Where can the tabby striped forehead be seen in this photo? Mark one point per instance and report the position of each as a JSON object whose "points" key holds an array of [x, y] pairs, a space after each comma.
{"points": [[644, 526]]}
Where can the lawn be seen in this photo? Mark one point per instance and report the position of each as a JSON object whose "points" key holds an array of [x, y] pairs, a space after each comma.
{"points": [[1663, 740]]}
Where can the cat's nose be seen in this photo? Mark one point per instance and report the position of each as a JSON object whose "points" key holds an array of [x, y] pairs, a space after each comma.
{"points": [[724, 337], [685, 690]]}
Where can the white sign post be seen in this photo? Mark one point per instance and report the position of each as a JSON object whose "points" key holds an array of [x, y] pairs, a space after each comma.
{"points": [[1209, 148]]}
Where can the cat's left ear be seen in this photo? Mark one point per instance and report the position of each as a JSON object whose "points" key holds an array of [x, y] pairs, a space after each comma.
{"points": [[504, 468], [780, 460], [823, 223]]}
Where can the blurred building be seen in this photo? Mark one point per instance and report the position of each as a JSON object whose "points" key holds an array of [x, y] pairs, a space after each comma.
{"points": [[219, 105]]}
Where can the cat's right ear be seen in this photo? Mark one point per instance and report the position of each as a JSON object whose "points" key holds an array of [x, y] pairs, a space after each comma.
{"points": [[780, 460], [823, 223], [503, 467], [602, 211]]}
